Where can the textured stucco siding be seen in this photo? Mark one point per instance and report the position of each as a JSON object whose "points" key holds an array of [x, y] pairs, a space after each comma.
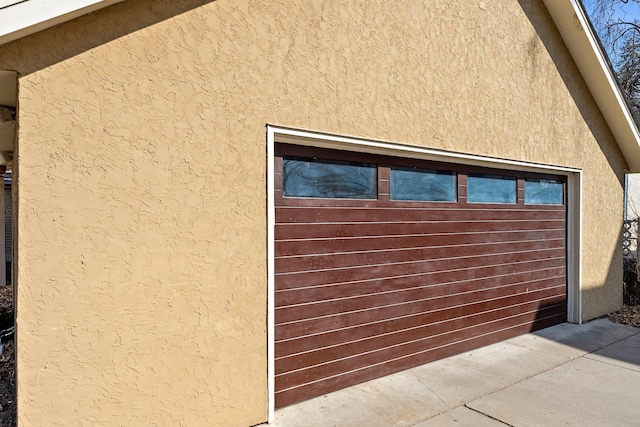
{"points": [[141, 176]]}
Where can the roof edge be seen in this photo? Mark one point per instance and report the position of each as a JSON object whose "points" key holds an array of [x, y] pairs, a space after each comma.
{"points": [[30, 16], [577, 33]]}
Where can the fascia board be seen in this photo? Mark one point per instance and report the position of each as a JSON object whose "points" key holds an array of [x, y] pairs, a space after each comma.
{"points": [[30, 16], [7, 3], [571, 21]]}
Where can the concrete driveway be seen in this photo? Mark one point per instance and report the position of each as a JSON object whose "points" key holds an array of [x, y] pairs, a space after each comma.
{"points": [[566, 375]]}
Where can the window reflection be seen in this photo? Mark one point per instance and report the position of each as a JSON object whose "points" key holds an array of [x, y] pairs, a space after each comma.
{"points": [[325, 179], [491, 189], [543, 192], [423, 185]]}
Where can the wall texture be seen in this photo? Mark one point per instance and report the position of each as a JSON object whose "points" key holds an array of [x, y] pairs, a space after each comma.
{"points": [[141, 176]]}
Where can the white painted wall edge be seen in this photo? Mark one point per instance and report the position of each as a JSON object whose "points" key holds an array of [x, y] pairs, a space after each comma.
{"points": [[30, 16], [271, 226]]}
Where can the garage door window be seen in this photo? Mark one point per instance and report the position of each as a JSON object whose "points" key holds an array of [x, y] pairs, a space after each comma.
{"points": [[491, 189], [543, 192], [423, 185], [328, 179]]}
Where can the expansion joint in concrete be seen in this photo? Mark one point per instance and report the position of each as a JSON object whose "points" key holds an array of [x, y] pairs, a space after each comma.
{"points": [[488, 416]]}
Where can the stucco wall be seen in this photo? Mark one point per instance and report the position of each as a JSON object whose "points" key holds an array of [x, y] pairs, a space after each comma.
{"points": [[141, 176]]}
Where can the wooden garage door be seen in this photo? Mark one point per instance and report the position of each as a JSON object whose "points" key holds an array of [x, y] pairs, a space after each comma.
{"points": [[387, 263]]}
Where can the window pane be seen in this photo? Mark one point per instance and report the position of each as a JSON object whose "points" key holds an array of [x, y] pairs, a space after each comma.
{"points": [[491, 189], [317, 178], [423, 185], [543, 192]]}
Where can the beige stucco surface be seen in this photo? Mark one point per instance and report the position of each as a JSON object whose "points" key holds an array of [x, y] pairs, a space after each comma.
{"points": [[141, 168]]}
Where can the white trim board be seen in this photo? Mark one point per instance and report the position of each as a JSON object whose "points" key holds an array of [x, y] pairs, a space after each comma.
{"points": [[279, 134], [30, 16], [8, 3]]}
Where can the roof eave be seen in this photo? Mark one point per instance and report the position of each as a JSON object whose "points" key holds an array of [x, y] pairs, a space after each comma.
{"points": [[571, 20], [31, 16], [22, 19]]}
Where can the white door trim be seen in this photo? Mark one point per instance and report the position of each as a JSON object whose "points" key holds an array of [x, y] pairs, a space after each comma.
{"points": [[281, 134]]}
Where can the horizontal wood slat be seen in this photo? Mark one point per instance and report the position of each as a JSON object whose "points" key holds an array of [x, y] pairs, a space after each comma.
{"points": [[313, 215], [329, 245], [418, 324], [338, 259], [437, 331], [285, 396], [323, 324], [364, 288], [441, 270], [299, 231], [401, 302], [310, 202], [314, 295]]}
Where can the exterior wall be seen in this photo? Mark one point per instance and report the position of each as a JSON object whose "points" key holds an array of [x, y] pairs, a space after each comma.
{"points": [[141, 266]]}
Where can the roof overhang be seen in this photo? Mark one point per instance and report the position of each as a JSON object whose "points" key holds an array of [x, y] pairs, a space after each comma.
{"points": [[21, 18], [571, 20]]}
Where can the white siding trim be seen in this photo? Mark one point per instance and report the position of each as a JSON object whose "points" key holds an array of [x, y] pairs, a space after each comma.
{"points": [[271, 225], [574, 247], [7, 3], [28, 17], [324, 140]]}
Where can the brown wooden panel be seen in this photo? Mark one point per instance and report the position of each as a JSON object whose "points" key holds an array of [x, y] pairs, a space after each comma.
{"points": [[382, 355], [301, 202], [314, 215], [353, 261], [348, 320], [398, 300], [416, 324], [531, 280], [329, 245], [337, 258], [436, 333], [311, 231], [369, 287], [305, 391], [455, 269]]}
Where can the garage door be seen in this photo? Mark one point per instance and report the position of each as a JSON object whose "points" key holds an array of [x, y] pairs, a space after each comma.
{"points": [[385, 263]]}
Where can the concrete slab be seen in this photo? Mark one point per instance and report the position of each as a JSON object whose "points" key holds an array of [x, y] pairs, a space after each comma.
{"points": [[465, 377], [396, 400], [625, 353], [536, 375], [583, 392], [588, 337], [460, 417], [417, 394]]}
